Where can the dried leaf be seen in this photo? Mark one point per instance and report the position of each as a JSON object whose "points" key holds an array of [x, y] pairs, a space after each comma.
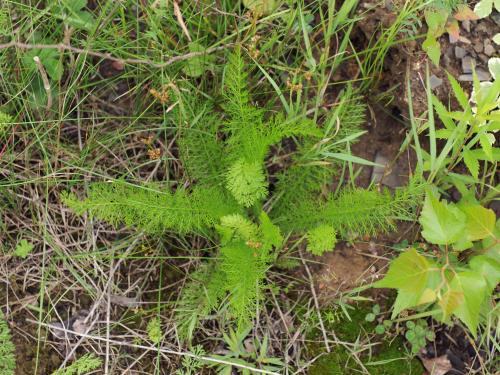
{"points": [[437, 366], [464, 13]]}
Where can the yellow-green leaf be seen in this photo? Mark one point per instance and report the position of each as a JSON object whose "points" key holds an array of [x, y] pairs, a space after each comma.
{"points": [[473, 288], [480, 222], [442, 223]]}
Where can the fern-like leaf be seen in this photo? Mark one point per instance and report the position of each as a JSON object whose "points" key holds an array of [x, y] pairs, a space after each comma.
{"points": [[358, 211], [321, 239], [201, 152], [198, 298], [245, 269], [247, 182], [7, 349], [153, 210]]}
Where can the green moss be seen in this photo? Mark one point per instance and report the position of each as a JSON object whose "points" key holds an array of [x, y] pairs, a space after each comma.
{"points": [[388, 358]]}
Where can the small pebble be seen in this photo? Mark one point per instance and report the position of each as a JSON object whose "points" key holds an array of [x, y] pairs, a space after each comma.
{"points": [[482, 75], [460, 52], [465, 77], [483, 57], [489, 50], [467, 64], [435, 82], [478, 46], [495, 17]]}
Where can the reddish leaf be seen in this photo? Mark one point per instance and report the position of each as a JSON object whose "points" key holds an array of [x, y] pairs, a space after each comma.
{"points": [[464, 13], [453, 29]]}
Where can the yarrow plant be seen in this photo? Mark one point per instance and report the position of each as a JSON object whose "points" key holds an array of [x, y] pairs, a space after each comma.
{"points": [[231, 197]]}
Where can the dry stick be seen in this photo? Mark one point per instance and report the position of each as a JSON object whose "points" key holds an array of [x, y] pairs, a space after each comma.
{"points": [[45, 80], [316, 303], [108, 56], [151, 348], [178, 15]]}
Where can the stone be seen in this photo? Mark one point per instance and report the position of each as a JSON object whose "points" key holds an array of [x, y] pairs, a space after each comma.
{"points": [[460, 52], [483, 57], [495, 16], [467, 64], [478, 46], [435, 81], [489, 50], [465, 77], [483, 75]]}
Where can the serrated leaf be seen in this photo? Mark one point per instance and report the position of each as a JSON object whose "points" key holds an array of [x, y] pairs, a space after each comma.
{"points": [[410, 274], [471, 163], [489, 268], [442, 223], [459, 92], [408, 271], [473, 288], [486, 140], [450, 301], [480, 222], [436, 21], [433, 49], [483, 8]]}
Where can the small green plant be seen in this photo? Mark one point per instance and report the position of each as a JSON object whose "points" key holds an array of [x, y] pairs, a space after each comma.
{"points": [[7, 349], [241, 352], [23, 249], [192, 365], [154, 330], [440, 18], [6, 122], [459, 278], [231, 201], [81, 366], [417, 334]]}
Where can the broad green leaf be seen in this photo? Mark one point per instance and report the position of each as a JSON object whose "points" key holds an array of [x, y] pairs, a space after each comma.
{"points": [[442, 223], [494, 65], [436, 22], [489, 268], [404, 300], [409, 271], [450, 301], [471, 163], [197, 65], [472, 286], [496, 38], [262, 7], [433, 49], [480, 222], [483, 8]]}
